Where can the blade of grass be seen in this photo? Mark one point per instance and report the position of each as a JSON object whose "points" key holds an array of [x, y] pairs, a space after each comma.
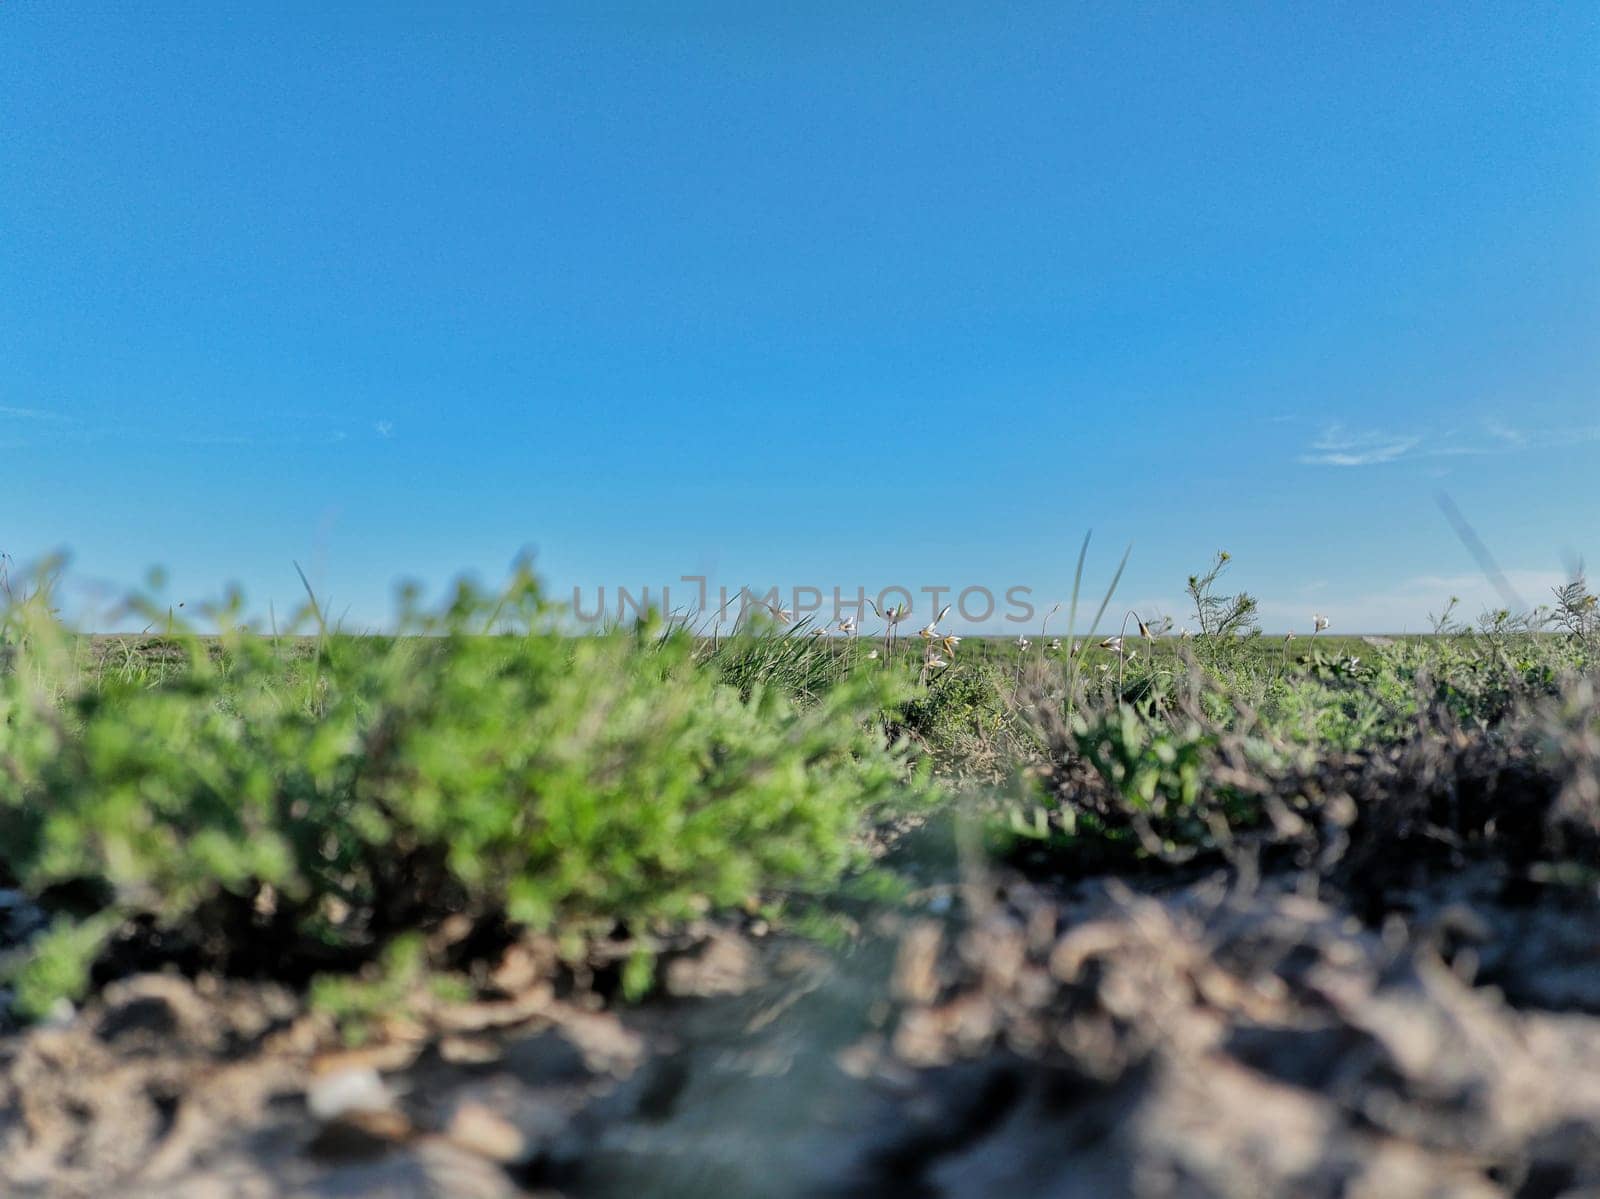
{"points": [[1105, 602]]}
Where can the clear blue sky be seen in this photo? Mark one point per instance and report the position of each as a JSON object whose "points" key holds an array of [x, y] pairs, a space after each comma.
{"points": [[803, 294]]}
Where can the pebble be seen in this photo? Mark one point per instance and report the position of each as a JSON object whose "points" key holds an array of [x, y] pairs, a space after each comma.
{"points": [[354, 1088], [480, 1130]]}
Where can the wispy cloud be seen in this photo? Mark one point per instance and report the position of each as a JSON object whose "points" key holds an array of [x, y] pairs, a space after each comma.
{"points": [[216, 439], [1337, 446], [202, 437], [34, 414], [28, 427], [1533, 439], [1507, 436], [23, 427]]}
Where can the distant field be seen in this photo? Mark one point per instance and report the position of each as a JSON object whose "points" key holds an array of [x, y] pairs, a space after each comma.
{"points": [[139, 655]]}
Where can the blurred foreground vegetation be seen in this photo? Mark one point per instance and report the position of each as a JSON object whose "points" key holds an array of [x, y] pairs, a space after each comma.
{"points": [[310, 807]]}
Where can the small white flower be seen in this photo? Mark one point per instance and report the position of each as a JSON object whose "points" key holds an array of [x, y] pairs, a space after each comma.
{"points": [[1023, 643], [873, 656], [893, 615], [1185, 634], [928, 632], [950, 643], [1112, 643], [935, 661], [847, 626], [1055, 643], [1318, 622]]}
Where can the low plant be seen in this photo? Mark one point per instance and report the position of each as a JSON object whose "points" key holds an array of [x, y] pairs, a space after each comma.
{"points": [[1221, 616], [296, 820]]}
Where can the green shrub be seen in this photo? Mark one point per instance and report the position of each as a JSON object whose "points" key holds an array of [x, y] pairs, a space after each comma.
{"points": [[963, 718], [1240, 748], [327, 805]]}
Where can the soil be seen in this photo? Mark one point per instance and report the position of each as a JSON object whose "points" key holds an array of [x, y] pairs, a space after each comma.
{"points": [[1209, 1036]]}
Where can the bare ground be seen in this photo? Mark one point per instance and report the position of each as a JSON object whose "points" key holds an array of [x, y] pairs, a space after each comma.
{"points": [[1209, 1038]]}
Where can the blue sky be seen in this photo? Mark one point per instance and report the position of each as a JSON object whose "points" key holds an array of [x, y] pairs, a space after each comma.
{"points": [[815, 294]]}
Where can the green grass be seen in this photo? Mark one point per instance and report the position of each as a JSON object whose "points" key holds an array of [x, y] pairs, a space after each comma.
{"points": [[295, 806], [311, 805]]}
